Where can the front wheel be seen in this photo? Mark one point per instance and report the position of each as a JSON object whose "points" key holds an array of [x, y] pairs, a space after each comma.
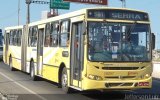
{"points": [[64, 81]]}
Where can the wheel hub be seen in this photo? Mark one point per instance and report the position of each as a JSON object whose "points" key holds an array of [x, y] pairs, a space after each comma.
{"points": [[64, 80]]}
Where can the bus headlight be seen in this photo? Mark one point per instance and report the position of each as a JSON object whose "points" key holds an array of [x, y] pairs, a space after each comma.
{"points": [[94, 77], [145, 76]]}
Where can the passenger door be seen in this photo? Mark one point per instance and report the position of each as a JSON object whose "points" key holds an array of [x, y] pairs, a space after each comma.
{"points": [[77, 52], [40, 51]]}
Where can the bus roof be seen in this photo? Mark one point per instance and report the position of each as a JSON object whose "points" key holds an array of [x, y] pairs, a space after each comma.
{"points": [[14, 27], [78, 12], [71, 14], [63, 16]]}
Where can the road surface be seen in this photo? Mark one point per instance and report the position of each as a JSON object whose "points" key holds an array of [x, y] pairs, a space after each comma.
{"points": [[16, 85]]}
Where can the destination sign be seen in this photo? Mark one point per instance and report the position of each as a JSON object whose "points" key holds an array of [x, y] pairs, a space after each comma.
{"points": [[118, 14], [130, 16]]}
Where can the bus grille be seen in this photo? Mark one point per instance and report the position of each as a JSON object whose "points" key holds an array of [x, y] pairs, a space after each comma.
{"points": [[119, 84], [122, 77], [120, 68]]}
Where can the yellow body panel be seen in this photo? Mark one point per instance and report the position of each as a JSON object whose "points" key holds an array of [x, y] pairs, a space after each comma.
{"points": [[50, 73], [52, 60], [15, 53]]}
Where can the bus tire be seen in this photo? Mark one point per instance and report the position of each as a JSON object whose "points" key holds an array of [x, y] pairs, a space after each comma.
{"points": [[64, 81], [32, 71], [10, 64]]}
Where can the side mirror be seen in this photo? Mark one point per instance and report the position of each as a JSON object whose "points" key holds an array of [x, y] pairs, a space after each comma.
{"points": [[84, 28], [153, 41]]}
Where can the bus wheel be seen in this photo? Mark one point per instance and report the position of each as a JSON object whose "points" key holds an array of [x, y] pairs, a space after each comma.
{"points": [[32, 71], [10, 64], [64, 81]]}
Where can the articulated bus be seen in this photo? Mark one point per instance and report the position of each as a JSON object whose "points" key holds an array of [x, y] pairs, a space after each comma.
{"points": [[90, 49]]}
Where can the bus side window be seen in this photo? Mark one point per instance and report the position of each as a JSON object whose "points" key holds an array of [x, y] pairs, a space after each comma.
{"points": [[19, 38], [34, 37], [54, 34], [64, 34], [10, 38], [47, 35], [29, 36], [15, 37], [4, 39]]}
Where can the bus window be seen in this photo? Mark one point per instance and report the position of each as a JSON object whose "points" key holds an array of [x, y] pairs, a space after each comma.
{"points": [[1, 37], [11, 37], [47, 36], [34, 37], [15, 37], [64, 35], [29, 36], [54, 34], [19, 37], [4, 38]]}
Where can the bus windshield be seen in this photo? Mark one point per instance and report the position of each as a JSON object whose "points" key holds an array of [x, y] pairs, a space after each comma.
{"points": [[118, 42]]}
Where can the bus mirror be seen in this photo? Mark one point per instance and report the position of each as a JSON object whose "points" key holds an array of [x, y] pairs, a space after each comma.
{"points": [[153, 41], [84, 28]]}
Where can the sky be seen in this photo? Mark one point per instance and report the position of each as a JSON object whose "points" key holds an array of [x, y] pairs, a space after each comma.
{"points": [[9, 12]]}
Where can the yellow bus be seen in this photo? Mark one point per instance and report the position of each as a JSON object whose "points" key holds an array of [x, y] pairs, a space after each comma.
{"points": [[90, 49]]}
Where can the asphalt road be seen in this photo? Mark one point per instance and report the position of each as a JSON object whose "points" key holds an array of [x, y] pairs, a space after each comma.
{"points": [[16, 85]]}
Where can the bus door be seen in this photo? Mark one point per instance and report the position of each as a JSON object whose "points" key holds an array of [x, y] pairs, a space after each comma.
{"points": [[6, 46], [40, 51], [77, 50]]}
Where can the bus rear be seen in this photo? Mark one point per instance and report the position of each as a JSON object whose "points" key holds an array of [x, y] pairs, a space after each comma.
{"points": [[118, 50]]}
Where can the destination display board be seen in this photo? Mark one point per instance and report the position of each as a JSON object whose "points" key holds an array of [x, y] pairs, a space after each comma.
{"points": [[118, 14], [99, 2]]}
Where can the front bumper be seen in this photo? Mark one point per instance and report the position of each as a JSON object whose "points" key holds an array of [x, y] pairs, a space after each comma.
{"points": [[89, 84]]}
